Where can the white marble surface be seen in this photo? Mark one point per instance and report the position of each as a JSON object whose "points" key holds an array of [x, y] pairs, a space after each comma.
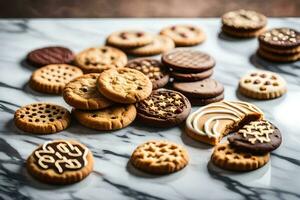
{"points": [[113, 177]]}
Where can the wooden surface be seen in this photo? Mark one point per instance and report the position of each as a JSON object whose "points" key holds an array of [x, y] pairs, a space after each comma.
{"points": [[143, 8]]}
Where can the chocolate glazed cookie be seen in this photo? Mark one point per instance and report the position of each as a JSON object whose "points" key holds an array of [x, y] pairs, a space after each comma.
{"points": [[163, 108]]}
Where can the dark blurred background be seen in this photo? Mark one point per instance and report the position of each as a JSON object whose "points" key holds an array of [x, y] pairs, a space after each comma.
{"points": [[143, 8]]}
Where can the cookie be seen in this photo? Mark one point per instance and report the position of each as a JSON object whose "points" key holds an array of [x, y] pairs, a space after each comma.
{"points": [[50, 55], [60, 162], [112, 118], [159, 157], [184, 35], [96, 60], [276, 57], [258, 137], [187, 77], [210, 123], [42, 118], [226, 157], [129, 39], [52, 79], [152, 68], [159, 45], [262, 84], [124, 85], [242, 33], [205, 101], [82, 93], [188, 60], [163, 108]]}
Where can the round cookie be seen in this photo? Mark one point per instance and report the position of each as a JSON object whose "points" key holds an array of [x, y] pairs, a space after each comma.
{"points": [[203, 102], [124, 85], [96, 60], [152, 68], [52, 79], [50, 55], [188, 60], [159, 45], [187, 77], [163, 108], [82, 93], [184, 35], [159, 157], [276, 57], [258, 137], [60, 162], [261, 84], [42, 118], [112, 118], [129, 39]]}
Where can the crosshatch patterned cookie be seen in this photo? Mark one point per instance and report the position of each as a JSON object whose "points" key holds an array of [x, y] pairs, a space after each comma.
{"points": [[112, 118], [124, 85], [226, 157], [42, 118], [82, 93], [159, 157], [60, 162], [258, 137], [184, 35], [53, 78], [261, 84], [50, 55], [163, 108], [152, 68], [96, 60]]}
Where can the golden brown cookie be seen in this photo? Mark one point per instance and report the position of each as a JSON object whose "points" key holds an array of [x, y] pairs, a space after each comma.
{"points": [[159, 157], [229, 158], [82, 93], [124, 85], [184, 35], [60, 162], [113, 118], [262, 84], [96, 60], [53, 78], [42, 118]]}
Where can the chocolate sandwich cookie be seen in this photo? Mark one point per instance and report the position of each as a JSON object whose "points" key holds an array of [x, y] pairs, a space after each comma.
{"points": [[258, 137], [152, 68], [163, 108], [50, 55], [187, 77]]}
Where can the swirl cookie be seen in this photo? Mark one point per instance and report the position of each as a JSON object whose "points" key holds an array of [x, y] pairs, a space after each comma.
{"points": [[210, 123], [82, 93], [52, 79], [226, 157], [124, 85], [60, 162], [152, 68], [50, 55], [262, 85], [184, 35], [163, 108], [96, 60], [42, 118], [112, 118], [159, 157]]}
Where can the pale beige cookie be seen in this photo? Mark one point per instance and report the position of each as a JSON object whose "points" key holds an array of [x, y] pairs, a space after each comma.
{"points": [[82, 93], [159, 45], [42, 118], [53, 78], [96, 60], [129, 39], [229, 158], [60, 162], [184, 35], [159, 157], [124, 85], [112, 118], [262, 84]]}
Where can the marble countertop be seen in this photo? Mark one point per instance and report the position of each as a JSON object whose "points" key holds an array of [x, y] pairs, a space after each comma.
{"points": [[113, 177]]}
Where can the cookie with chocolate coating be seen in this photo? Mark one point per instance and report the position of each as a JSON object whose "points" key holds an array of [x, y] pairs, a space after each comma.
{"points": [[187, 77]]}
